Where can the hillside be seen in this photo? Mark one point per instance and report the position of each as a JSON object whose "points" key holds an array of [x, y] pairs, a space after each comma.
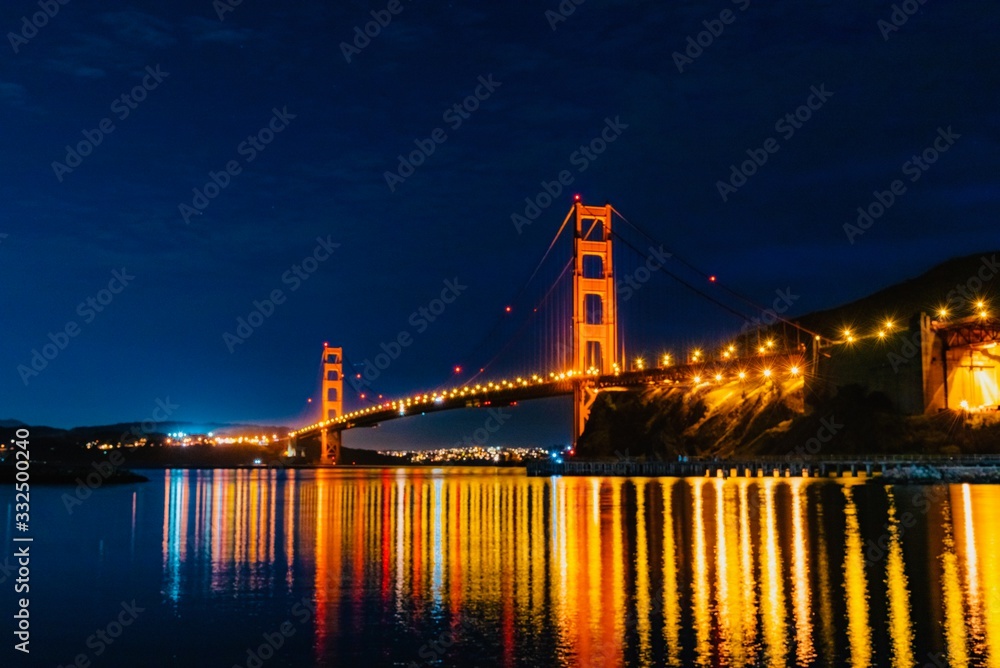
{"points": [[951, 284], [782, 418]]}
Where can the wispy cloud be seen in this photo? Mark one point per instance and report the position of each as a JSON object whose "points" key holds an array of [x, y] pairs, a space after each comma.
{"points": [[140, 28], [208, 31]]}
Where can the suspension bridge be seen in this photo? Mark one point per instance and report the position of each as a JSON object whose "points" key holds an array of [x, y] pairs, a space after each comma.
{"points": [[578, 347]]}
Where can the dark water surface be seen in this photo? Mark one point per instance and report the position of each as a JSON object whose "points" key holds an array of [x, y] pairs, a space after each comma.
{"points": [[484, 567]]}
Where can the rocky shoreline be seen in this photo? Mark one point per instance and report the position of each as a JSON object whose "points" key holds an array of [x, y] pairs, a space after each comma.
{"points": [[922, 474], [53, 474]]}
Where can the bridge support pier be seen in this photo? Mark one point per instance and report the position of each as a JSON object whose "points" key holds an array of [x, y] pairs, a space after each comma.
{"points": [[330, 442], [584, 396]]}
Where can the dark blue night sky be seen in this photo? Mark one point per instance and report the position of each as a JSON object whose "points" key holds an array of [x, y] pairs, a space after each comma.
{"points": [[162, 96]]}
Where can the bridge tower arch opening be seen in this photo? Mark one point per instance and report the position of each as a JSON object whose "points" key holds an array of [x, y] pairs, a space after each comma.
{"points": [[332, 402], [595, 309]]}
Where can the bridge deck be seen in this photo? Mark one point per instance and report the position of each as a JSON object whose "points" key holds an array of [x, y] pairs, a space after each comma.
{"points": [[504, 393]]}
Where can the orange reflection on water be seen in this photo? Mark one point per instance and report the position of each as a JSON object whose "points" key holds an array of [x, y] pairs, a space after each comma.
{"points": [[953, 601], [699, 581], [642, 570], [772, 580], [670, 599], [856, 587], [900, 630], [609, 571], [749, 581], [801, 589]]}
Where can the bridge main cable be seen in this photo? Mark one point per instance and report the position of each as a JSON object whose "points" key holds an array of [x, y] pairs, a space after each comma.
{"points": [[692, 267]]}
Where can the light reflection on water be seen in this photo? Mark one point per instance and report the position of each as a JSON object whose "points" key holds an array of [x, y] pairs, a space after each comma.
{"points": [[598, 571]]}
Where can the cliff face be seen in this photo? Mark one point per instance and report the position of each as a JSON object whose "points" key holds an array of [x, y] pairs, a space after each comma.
{"points": [[666, 421], [661, 422]]}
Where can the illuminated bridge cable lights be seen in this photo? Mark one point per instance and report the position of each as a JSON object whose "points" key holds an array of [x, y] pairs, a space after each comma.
{"points": [[400, 407]]}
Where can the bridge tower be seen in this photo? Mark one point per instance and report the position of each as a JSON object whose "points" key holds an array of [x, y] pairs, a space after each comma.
{"points": [[595, 308], [332, 402]]}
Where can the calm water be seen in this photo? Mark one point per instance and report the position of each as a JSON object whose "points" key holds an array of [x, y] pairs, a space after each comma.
{"points": [[474, 567]]}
